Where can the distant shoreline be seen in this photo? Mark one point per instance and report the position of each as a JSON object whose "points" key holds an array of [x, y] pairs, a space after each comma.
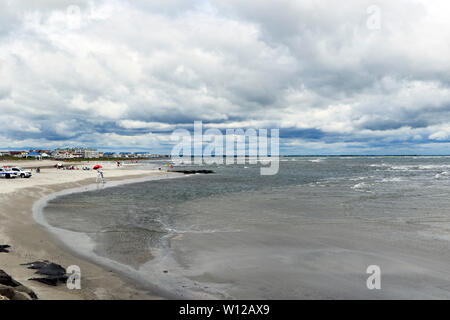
{"points": [[9, 158]]}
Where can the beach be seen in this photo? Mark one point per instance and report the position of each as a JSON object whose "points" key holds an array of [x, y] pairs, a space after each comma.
{"points": [[310, 232], [31, 242]]}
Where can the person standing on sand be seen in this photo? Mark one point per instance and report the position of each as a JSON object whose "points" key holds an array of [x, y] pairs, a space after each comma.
{"points": [[100, 176]]}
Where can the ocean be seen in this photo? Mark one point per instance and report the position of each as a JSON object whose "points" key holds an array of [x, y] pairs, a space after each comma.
{"points": [[309, 232]]}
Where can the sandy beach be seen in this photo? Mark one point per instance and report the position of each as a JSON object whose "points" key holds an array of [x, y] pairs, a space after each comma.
{"points": [[30, 241], [297, 239]]}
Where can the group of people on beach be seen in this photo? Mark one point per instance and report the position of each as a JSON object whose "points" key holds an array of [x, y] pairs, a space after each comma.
{"points": [[71, 168], [61, 166], [100, 175]]}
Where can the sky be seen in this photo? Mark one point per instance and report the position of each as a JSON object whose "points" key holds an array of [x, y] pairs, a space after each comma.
{"points": [[359, 77]]}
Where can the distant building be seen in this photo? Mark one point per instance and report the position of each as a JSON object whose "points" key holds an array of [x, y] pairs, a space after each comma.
{"points": [[155, 155], [62, 155], [111, 155], [19, 154], [35, 155], [42, 152], [141, 155], [125, 155], [74, 153], [90, 153]]}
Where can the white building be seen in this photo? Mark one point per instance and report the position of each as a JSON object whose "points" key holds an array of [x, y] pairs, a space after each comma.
{"points": [[73, 153]]}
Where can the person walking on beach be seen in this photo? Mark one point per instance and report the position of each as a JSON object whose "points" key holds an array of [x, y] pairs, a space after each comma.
{"points": [[100, 176]]}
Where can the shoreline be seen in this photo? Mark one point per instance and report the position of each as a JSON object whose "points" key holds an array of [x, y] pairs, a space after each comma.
{"points": [[85, 246], [31, 241]]}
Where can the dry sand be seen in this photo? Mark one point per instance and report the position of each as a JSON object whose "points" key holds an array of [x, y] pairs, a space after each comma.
{"points": [[31, 242]]}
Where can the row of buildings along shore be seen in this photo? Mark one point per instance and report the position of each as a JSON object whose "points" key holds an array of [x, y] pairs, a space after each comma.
{"points": [[76, 153]]}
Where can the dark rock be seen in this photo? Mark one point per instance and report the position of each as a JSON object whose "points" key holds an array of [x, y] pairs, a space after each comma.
{"points": [[36, 264], [47, 281], [7, 292], [6, 281], [12, 294], [193, 171], [4, 248], [46, 267], [54, 273], [51, 280], [32, 294], [52, 269]]}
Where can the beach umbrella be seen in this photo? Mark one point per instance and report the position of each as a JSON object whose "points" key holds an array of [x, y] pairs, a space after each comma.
{"points": [[97, 167]]}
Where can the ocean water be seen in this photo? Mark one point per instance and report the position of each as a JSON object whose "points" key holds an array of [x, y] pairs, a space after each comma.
{"points": [[309, 232]]}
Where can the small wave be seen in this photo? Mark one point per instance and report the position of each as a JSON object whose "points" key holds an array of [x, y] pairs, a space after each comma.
{"points": [[358, 186], [420, 167], [358, 178], [362, 187], [396, 179], [442, 175], [318, 184], [315, 160], [434, 166], [416, 167], [381, 165]]}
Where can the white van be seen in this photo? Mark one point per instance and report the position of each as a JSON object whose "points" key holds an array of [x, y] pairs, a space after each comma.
{"points": [[21, 172]]}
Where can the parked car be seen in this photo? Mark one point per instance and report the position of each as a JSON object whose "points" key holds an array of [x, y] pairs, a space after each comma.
{"points": [[7, 173], [21, 172]]}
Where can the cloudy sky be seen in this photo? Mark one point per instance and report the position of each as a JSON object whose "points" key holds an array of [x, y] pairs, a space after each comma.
{"points": [[367, 77]]}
